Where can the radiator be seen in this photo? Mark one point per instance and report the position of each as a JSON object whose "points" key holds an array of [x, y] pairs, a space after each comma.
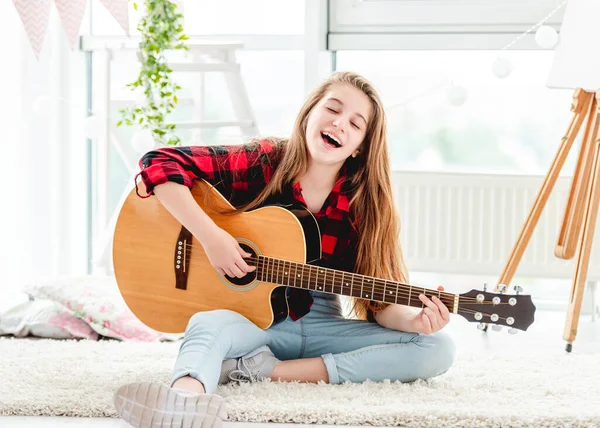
{"points": [[468, 224]]}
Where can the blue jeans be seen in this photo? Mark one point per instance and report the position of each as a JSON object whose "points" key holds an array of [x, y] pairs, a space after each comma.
{"points": [[352, 350]]}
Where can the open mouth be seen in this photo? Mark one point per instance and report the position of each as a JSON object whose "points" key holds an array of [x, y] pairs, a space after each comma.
{"points": [[330, 141]]}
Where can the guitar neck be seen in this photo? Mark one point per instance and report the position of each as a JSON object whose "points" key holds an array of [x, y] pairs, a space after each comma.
{"points": [[317, 278]]}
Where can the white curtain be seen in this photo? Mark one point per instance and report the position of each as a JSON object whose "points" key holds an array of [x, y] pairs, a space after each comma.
{"points": [[43, 164]]}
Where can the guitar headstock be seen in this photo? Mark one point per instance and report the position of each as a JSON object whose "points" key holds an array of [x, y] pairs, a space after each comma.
{"points": [[515, 311]]}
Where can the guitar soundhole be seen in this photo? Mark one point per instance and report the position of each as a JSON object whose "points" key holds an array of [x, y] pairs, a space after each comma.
{"points": [[251, 261]]}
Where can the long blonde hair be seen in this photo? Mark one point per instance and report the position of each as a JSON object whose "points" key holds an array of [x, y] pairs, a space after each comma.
{"points": [[378, 251]]}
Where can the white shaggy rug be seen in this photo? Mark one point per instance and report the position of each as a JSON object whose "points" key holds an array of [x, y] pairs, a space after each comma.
{"points": [[77, 378]]}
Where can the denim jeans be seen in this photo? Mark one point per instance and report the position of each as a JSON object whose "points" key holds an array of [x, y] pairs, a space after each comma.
{"points": [[352, 350]]}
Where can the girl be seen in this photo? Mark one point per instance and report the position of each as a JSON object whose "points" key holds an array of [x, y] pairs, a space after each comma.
{"points": [[336, 165]]}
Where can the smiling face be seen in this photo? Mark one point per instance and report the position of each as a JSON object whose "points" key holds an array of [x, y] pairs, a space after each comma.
{"points": [[337, 125]]}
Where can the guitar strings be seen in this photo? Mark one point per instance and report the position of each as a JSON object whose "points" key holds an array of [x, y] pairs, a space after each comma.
{"points": [[403, 294], [379, 282], [379, 286], [459, 309]]}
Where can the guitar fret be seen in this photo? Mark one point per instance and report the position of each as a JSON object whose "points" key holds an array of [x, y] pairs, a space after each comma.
{"points": [[333, 282], [295, 273], [259, 269], [322, 287], [409, 294], [384, 289], [362, 283], [278, 276], [287, 266], [272, 268], [373, 290], [317, 271], [266, 267]]}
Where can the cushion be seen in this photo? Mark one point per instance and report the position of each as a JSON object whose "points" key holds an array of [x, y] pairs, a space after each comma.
{"points": [[96, 300], [44, 318]]}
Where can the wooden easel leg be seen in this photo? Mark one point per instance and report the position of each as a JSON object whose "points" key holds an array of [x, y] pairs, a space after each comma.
{"points": [[580, 106], [585, 246], [570, 231]]}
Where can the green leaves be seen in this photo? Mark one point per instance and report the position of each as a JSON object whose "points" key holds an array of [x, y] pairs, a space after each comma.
{"points": [[161, 30]]}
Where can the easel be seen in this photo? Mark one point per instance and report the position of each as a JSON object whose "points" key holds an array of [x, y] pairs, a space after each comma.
{"points": [[581, 209]]}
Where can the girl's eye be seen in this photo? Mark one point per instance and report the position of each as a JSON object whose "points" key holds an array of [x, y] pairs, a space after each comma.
{"points": [[353, 124], [331, 110]]}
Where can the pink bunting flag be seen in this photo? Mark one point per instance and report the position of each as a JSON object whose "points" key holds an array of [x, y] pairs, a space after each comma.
{"points": [[119, 10], [35, 15], [71, 14]]}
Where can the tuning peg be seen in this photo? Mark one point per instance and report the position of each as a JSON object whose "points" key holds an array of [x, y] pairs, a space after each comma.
{"points": [[518, 289], [502, 288], [481, 326], [513, 330], [496, 327], [485, 286]]}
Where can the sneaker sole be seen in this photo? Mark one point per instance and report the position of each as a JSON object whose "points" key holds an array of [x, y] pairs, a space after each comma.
{"points": [[155, 405]]}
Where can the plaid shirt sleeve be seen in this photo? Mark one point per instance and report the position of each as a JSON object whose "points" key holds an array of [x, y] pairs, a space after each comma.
{"points": [[237, 171]]}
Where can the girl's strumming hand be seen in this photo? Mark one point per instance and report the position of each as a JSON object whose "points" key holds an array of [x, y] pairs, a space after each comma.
{"points": [[225, 254]]}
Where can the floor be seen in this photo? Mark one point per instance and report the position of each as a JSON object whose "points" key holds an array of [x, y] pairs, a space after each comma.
{"points": [[545, 334]]}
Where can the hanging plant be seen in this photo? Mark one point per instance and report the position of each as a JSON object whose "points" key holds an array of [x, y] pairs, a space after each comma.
{"points": [[161, 30]]}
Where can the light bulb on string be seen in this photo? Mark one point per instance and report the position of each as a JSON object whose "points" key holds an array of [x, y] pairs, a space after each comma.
{"points": [[457, 95], [546, 37], [502, 67]]}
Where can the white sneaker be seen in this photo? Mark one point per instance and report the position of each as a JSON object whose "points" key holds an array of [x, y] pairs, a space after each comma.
{"points": [[155, 405], [252, 367]]}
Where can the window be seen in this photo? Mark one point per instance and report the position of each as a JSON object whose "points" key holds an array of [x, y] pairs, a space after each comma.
{"points": [[511, 125], [378, 16], [204, 17], [274, 83]]}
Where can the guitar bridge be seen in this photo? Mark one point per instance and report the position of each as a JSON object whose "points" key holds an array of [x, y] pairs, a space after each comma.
{"points": [[181, 263]]}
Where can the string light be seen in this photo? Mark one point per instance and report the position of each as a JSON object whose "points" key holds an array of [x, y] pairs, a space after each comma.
{"points": [[546, 38]]}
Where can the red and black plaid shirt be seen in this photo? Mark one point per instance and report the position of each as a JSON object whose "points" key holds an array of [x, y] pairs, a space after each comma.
{"points": [[240, 172]]}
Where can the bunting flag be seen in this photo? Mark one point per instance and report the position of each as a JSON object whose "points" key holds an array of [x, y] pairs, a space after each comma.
{"points": [[120, 11], [34, 15], [71, 14]]}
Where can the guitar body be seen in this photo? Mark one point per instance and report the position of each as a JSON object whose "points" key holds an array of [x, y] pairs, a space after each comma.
{"points": [[165, 276]]}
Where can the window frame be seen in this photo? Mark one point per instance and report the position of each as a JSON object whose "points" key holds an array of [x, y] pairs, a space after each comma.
{"points": [[436, 24]]}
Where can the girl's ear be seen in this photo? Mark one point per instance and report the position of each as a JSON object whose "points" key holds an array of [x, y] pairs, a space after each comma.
{"points": [[355, 153]]}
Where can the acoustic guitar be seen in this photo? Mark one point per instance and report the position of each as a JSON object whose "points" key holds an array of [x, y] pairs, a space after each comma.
{"points": [[165, 276]]}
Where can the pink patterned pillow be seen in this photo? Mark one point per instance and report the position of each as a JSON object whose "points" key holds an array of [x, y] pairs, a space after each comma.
{"points": [[44, 318], [97, 301]]}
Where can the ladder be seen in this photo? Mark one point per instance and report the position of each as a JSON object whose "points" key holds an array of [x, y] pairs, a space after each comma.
{"points": [[202, 57]]}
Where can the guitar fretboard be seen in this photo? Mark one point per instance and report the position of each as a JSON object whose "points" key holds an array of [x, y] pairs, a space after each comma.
{"points": [[317, 278]]}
